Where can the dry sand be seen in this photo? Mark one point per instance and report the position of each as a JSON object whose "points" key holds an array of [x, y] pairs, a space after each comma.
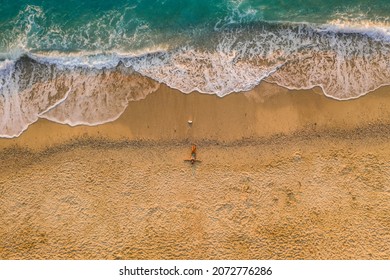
{"points": [[284, 175]]}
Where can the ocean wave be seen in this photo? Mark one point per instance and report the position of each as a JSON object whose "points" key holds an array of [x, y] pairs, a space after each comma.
{"points": [[344, 65], [100, 97], [30, 90], [90, 87]]}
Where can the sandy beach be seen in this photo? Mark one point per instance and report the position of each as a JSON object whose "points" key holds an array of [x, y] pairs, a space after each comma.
{"points": [[284, 175]]}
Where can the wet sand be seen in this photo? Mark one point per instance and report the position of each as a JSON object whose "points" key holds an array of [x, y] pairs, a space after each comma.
{"points": [[284, 175]]}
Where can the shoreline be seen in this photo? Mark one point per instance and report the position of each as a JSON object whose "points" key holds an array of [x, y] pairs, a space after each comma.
{"points": [[261, 113]]}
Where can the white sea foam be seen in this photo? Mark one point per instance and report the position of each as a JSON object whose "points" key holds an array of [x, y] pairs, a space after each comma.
{"points": [[91, 59], [77, 60], [24, 96], [377, 30], [345, 65], [237, 14], [30, 90], [100, 97]]}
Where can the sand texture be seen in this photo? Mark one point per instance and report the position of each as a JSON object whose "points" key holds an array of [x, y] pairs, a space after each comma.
{"points": [[284, 175]]}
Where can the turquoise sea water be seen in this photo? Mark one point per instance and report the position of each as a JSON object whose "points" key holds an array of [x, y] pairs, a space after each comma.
{"points": [[125, 25], [50, 51]]}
